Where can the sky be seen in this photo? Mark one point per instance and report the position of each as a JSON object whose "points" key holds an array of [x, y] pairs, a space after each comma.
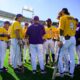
{"points": [[43, 8]]}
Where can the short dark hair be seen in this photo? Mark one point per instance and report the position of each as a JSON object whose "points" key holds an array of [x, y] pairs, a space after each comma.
{"points": [[26, 23], [65, 10]]}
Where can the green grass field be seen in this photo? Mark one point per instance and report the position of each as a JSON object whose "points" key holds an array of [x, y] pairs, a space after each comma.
{"points": [[11, 75]]}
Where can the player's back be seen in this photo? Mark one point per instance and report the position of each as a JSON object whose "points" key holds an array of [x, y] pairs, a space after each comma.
{"points": [[69, 25], [36, 32]]}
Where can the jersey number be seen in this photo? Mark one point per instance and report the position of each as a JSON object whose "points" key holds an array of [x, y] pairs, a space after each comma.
{"points": [[71, 26]]}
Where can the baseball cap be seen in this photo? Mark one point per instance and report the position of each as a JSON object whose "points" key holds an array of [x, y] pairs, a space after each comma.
{"points": [[36, 18], [7, 22], [19, 15], [48, 20]]}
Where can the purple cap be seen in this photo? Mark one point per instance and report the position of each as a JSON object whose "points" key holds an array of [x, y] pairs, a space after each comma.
{"points": [[48, 20], [36, 18], [7, 22], [19, 15]]}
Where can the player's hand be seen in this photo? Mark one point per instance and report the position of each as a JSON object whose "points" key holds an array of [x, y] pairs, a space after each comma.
{"points": [[60, 43]]}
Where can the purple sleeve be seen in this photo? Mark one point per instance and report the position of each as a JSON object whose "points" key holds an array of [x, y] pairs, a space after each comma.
{"points": [[28, 32], [43, 30]]}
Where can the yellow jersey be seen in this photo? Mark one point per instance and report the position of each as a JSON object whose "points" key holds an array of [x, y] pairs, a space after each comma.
{"points": [[15, 26], [9, 30], [49, 32], [68, 25], [3, 31], [24, 32], [56, 33]]}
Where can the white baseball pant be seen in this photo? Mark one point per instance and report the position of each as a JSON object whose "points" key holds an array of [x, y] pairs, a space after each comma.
{"points": [[36, 50], [3, 47], [49, 44], [16, 54], [68, 48]]}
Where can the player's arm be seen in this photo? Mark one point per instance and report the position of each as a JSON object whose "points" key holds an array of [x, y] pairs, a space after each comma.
{"points": [[61, 35], [27, 36], [4, 35], [61, 27], [27, 33], [43, 32]]}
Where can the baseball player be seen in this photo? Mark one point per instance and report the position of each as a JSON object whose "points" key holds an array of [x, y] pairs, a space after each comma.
{"points": [[3, 44], [67, 43], [49, 42], [25, 42], [65, 57], [35, 33], [56, 39], [16, 35]]}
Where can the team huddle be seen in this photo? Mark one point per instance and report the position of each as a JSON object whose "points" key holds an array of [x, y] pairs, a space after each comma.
{"points": [[45, 42]]}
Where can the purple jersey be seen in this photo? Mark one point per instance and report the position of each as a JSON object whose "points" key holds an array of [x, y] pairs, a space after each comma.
{"points": [[35, 33]]}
